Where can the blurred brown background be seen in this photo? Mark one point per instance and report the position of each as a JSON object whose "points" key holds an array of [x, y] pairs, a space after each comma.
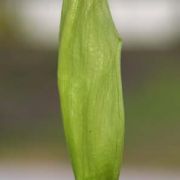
{"points": [[31, 132]]}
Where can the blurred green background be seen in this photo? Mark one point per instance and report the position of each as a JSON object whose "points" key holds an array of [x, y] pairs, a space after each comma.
{"points": [[30, 124]]}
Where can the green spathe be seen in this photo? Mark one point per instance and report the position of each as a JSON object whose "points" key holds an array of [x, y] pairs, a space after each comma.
{"points": [[90, 89]]}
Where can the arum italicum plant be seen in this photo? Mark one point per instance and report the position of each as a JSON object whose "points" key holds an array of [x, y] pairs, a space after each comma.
{"points": [[89, 82]]}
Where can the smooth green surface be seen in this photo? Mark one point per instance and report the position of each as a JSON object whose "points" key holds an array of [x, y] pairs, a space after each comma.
{"points": [[90, 89]]}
